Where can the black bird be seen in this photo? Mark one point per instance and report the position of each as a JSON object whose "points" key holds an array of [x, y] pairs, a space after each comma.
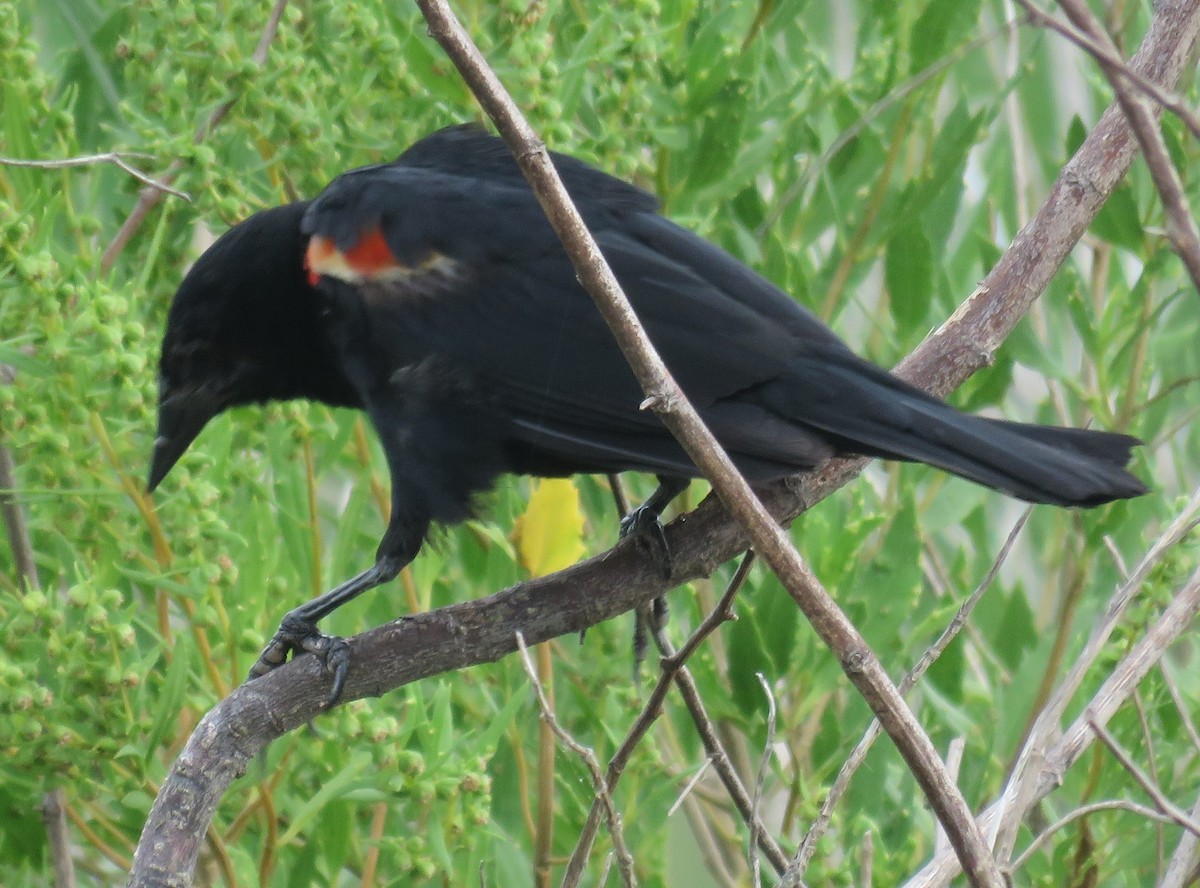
{"points": [[432, 293]]}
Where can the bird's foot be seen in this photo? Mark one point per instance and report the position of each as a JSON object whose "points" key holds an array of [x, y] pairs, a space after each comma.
{"points": [[647, 620], [644, 526], [297, 635]]}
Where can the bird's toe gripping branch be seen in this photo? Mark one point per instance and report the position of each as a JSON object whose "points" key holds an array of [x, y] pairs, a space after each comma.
{"points": [[644, 526], [297, 634]]}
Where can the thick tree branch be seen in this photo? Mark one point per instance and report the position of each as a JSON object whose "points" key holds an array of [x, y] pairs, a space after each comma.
{"points": [[483, 631]]}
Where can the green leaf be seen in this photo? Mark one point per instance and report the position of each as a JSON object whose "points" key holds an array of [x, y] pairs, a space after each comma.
{"points": [[1118, 221], [908, 273], [942, 23], [1016, 632], [167, 706]]}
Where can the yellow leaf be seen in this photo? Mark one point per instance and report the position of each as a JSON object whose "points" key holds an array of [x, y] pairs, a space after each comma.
{"points": [[549, 536]]}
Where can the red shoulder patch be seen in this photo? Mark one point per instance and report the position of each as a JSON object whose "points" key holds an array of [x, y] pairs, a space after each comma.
{"points": [[369, 258]]}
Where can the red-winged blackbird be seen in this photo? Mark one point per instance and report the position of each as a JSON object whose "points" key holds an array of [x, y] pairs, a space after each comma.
{"points": [[432, 293]]}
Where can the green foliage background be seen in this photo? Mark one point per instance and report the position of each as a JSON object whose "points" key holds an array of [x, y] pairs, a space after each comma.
{"points": [[873, 158]]}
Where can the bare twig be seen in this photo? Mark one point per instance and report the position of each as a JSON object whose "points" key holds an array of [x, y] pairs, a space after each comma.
{"points": [[10, 507], [1177, 699], [543, 834], [650, 713], [808, 844], [54, 816], [756, 824], [117, 158], [588, 757], [866, 860], [1181, 227], [14, 521], [1183, 868], [149, 198], [721, 763], [1104, 51], [1046, 773], [1083, 811], [1164, 804], [690, 785], [1046, 726]]}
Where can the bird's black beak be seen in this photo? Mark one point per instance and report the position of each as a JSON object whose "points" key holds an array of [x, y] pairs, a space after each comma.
{"points": [[181, 416]]}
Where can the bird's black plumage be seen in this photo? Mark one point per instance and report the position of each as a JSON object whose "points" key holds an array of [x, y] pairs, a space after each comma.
{"points": [[432, 293]]}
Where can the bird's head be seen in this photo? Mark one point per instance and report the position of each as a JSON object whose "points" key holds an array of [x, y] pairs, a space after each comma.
{"points": [[244, 328]]}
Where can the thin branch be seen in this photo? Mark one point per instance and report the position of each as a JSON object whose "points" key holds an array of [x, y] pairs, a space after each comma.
{"points": [[1083, 811], [588, 757], [1023, 792], [721, 762], [651, 710], [117, 158], [149, 198], [11, 512], [54, 816], [760, 782], [14, 521], [1046, 726], [1181, 227], [820, 824], [1104, 51], [1177, 699], [690, 785], [1183, 868], [1164, 804], [866, 860]]}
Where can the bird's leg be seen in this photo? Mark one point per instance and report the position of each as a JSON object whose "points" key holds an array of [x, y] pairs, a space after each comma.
{"points": [[645, 526], [298, 633], [643, 523]]}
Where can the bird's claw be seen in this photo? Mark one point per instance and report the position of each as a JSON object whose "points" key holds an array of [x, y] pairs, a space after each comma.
{"points": [[643, 525], [296, 636], [647, 620]]}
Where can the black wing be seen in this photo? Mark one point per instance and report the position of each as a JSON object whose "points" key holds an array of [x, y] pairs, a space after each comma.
{"points": [[505, 304]]}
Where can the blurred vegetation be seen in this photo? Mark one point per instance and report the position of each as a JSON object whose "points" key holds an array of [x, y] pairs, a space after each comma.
{"points": [[872, 158]]}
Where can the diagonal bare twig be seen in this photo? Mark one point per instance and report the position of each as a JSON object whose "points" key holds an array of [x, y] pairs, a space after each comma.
{"points": [[841, 783], [1046, 727], [651, 710], [1181, 227], [1083, 811], [588, 757], [1043, 770], [717, 755], [1183, 868], [1164, 804], [1106, 52]]}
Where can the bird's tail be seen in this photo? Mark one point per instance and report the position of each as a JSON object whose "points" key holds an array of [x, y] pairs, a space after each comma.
{"points": [[865, 410]]}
